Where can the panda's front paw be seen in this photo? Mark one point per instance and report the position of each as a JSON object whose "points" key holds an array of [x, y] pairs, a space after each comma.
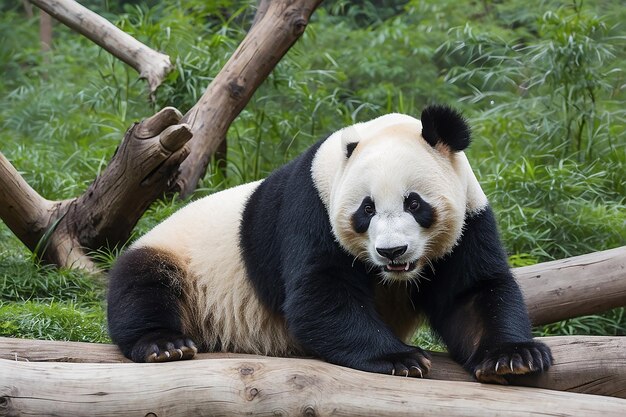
{"points": [[512, 359], [416, 363], [163, 347]]}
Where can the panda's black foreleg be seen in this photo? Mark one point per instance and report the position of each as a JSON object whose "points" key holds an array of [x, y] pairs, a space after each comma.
{"points": [[476, 306], [488, 332], [332, 315], [144, 319]]}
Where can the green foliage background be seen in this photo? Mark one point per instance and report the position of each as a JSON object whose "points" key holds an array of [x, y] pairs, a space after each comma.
{"points": [[543, 87]]}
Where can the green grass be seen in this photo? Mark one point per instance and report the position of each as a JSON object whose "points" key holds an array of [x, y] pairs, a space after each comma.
{"points": [[549, 136], [47, 303]]}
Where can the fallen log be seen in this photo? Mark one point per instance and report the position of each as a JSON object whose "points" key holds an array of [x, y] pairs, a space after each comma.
{"points": [[583, 364], [574, 287], [265, 386]]}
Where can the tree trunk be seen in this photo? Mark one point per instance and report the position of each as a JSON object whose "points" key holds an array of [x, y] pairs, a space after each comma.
{"points": [[265, 44], [143, 167], [45, 31], [151, 65], [247, 385]]}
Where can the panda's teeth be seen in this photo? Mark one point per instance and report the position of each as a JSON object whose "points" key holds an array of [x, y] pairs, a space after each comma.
{"points": [[398, 267]]}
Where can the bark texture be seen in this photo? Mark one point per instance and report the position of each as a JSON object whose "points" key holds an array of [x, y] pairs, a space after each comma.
{"points": [[573, 287], [151, 65], [583, 364], [143, 167], [249, 385]]}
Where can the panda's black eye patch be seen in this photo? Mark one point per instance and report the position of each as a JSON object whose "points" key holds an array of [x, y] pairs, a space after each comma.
{"points": [[422, 212], [363, 215]]}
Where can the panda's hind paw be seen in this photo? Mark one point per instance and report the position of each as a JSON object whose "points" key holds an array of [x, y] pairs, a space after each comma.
{"points": [[513, 359], [163, 347]]}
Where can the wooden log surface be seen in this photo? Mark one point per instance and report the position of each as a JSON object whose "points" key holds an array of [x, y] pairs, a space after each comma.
{"points": [[583, 364], [573, 287], [265, 386]]}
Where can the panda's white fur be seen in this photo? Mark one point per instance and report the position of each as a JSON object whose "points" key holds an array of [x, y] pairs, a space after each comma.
{"points": [[224, 311], [303, 263]]}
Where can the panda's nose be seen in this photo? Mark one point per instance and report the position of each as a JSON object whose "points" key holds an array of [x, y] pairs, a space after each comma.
{"points": [[392, 253]]}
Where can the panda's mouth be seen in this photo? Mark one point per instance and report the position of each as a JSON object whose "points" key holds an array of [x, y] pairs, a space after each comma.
{"points": [[400, 268]]}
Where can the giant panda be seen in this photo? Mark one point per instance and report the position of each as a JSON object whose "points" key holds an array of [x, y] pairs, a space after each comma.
{"points": [[337, 254]]}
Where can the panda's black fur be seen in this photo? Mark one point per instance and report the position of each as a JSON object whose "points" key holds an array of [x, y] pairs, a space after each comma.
{"points": [[300, 272], [324, 293]]}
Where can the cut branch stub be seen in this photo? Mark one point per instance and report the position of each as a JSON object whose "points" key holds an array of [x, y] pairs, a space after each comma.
{"points": [[144, 166], [142, 169], [271, 36]]}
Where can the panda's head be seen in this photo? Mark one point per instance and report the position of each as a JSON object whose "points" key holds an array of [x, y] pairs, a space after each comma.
{"points": [[396, 189]]}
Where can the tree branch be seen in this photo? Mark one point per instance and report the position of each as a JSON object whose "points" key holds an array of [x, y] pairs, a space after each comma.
{"points": [[22, 209], [246, 384], [150, 64], [265, 44], [261, 9], [108, 210], [144, 166]]}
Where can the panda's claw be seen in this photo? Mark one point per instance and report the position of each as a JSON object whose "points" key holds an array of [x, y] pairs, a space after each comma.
{"points": [[163, 347], [512, 359], [418, 370]]}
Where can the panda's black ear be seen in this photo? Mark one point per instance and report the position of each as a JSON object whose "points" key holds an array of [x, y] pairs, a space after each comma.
{"points": [[441, 124], [350, 148], [349, 140]]}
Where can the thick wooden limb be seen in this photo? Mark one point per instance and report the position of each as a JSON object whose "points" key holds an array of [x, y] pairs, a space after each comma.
{"points": [[583, 364], [143, 168], [265, 386], [150, 64], [265, 44], [261, 9], [573, 287], [25, 212]]}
